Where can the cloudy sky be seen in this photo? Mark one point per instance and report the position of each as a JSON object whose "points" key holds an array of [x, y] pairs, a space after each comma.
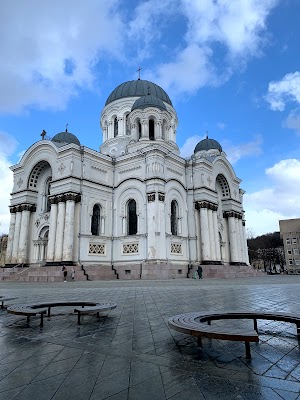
{"points": [[231, 67]]}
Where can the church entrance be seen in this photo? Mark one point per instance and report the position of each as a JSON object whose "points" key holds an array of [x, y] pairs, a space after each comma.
{"points": [[41, 246]]}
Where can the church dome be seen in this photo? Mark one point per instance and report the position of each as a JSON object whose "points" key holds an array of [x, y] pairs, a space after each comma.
{"points": [[148, 101], [139, 88], [65, 137], [208, 144]]}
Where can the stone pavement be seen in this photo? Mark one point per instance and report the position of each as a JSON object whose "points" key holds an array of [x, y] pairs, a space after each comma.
{"points": [[133, 355]]}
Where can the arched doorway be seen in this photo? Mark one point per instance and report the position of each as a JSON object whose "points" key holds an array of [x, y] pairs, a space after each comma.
{"points": [[41, 246]]}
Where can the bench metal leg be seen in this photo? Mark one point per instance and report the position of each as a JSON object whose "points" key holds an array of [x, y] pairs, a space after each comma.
{"points": [[42, 319], [28, 319], [78, 317], [248, 353], [49, 309], [199, 340], [2, 304], [209, 322], [298, 332], [255, 325], [98, 315]]}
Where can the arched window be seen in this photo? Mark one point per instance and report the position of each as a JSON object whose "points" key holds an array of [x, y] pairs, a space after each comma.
{"points": [[115, 127], [132, 217], [127, 125], [95, 226], [151, 129], [174, 217], [140, 129], [47, 194]]}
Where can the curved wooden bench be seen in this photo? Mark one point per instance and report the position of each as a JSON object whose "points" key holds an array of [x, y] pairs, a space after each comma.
{"points": [[94, 309], [27, 311], [42, 308], [193, 324], [3, 299]]}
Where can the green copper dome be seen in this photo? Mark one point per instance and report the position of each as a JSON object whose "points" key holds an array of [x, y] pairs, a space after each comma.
{"points": [[208, 144], [148, 101], [65, 137], [138, 88]]}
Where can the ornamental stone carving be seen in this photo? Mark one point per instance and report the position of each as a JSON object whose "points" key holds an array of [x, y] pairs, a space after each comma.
{"points": [[63, 197], [161, 196], [232, 214], [206, 204], [22, 207], [151, 197]]}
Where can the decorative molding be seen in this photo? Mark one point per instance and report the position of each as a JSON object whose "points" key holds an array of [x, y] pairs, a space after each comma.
{"points": [[20, 182], [161, 197], [232, 214], [206, 204], [129, 169], [174, 171], [151, 197], [22, 207], [61, 168], [63, 197], [95, 166]]}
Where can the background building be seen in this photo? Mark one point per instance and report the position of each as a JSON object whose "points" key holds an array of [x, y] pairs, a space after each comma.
{"points": [[136, 206], [290, 233]]}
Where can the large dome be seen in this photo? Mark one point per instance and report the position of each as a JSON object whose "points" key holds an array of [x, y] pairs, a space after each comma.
{"points": [[148, 101], [208, 144], [138, 88], [65, 137]]}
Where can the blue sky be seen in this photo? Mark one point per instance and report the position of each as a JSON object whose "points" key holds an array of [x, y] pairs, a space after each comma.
{"points": [[231, 67]]}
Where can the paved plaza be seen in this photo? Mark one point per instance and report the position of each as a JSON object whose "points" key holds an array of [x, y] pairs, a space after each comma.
{"points": [[132, 354]]}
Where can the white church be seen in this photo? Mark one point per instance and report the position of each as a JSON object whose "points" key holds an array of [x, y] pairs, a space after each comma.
{"points": [[136, 207]]}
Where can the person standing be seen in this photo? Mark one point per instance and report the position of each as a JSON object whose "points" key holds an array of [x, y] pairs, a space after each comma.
{"points": [[65, 272], [73, 274]]}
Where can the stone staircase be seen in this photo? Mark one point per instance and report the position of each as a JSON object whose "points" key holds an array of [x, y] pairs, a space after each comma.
{"points": [[226, 271], [54, 273]]}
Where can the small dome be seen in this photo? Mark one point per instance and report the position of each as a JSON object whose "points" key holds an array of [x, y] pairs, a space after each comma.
{"points": [[148, 101], [65, 137], [208, 144], [139, 88]]}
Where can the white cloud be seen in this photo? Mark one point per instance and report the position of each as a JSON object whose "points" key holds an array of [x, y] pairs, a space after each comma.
{"points": [[49, 50], [293, 121], [280, 199], [240, 28], [236, 24], [284, 91], [236, 152], [8, 145], [190, 71], [189, 145]]}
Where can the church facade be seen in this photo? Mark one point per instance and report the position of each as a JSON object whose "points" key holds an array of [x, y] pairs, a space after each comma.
{"points": [[135, 206]]}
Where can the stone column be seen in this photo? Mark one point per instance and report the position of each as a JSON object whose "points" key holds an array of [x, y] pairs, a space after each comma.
{"points": [[120, 127], [24, 231], [134, 131], [14, 257], [145, 129], [161, 227], [204, 228], [232, 237], [110, 130], [198, 234], [158, 130], [69, 228], [11, 235], [217, 239], [52, 230], [152, 251], [212, 239], [241, 240], [59, 240], [245, 243]]}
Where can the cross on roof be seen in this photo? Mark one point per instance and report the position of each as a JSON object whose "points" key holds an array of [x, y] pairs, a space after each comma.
{"points": [[139, 71], [43, 134], [67, 127]]}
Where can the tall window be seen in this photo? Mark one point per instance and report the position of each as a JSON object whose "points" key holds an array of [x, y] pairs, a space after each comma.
{"points": [[95, 226], [140, 129], [47, 194], [151, 129], [132, 217], [115, 127], [174, 217]]}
